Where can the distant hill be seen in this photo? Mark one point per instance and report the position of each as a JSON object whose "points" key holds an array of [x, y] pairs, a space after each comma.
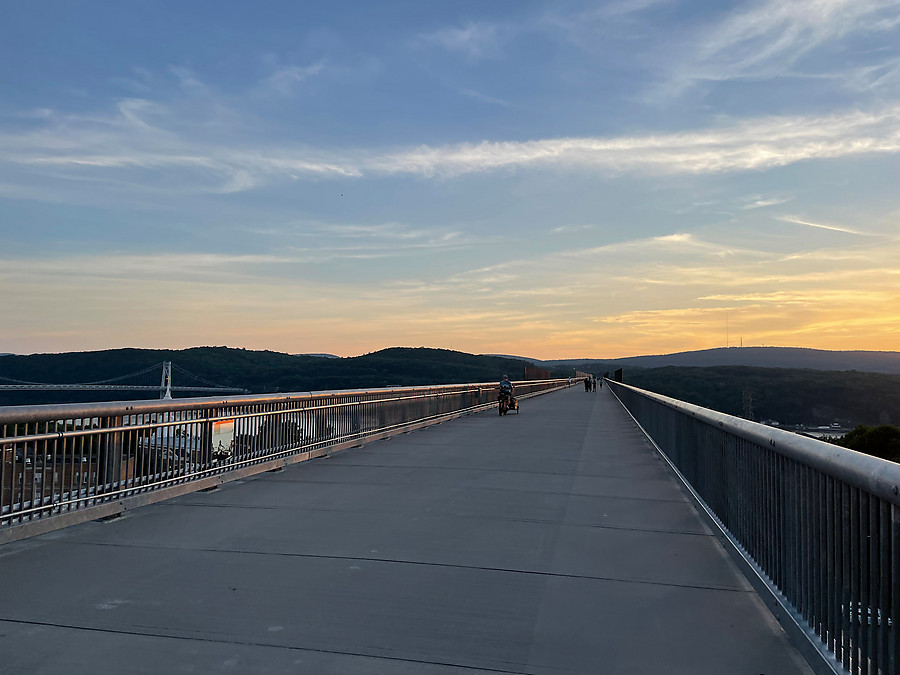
{"points": [[759, 357], [517, 358], [257, 371]]}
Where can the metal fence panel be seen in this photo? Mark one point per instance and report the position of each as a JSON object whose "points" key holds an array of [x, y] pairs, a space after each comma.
{"points": [[61, 458], [821, 523]]}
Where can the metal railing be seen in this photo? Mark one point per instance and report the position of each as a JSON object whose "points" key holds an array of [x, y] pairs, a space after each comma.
{"points": [[820, 524], [59, 459]]}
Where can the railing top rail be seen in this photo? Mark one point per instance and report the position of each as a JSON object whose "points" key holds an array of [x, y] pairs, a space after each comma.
{"points": [[22, 414], [878, 477]]}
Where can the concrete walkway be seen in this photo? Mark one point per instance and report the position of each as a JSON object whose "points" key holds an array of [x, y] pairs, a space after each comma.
{"points": [[555, 541]]}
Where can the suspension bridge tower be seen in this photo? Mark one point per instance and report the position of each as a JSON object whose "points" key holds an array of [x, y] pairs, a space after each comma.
{"points": [[165, 385]]}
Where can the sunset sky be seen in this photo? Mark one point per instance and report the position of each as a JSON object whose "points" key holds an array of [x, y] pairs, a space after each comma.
{"points": [[550, 179]]}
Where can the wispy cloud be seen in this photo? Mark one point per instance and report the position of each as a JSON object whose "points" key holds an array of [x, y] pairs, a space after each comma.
{"points": [[193, 267], [286, 80], [611, 20], [187, 268], [316, 242], [845, 256], [387, 232], [751, 145], [760, 203], [877, 78], [471, 93], [568, 229], [626, 7], [770, 38], [188, 80], [157, 139], [806, 298], [475, 41], [676, 242], [689, 260], [140, 81], [822, 226], [388, 240]]}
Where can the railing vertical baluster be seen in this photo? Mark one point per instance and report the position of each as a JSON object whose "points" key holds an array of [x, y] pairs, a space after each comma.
{"points": [[782, 551], [146, 450], [820, 553], [833, 567], [796, 516], [803, 542], [773, 560], [884, 595], [814, 533], [771, 489], [27, 480], [762, 515], [825, 547], [64, 445], [760, 525], [791, 510], [783, 497], [846, 574], [894, 617], [94, 459], [856, 608], [865, 627], [6, 450]]}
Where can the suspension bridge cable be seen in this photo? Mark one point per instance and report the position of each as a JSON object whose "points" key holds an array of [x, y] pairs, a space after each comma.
{"points": [[197, 377], [109, 381]]}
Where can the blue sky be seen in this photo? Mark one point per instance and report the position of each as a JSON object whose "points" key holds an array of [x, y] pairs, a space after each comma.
{"points": [[555, 179]]}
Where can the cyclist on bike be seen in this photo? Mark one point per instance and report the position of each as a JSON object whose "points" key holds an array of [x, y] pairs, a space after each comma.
{"points": [[506, 388]]}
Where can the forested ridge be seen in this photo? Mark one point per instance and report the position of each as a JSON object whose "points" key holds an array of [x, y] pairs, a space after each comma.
{"points": [[256, 371]]}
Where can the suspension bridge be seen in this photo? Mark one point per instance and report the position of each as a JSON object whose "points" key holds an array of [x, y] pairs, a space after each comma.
{"points": [[141, 380]]}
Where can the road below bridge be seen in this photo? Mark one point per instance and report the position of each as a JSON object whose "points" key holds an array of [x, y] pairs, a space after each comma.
{"points": [[555, 541]]}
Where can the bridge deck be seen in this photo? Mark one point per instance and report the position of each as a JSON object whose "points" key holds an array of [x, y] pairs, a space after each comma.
{"points": [[555, 541]]}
